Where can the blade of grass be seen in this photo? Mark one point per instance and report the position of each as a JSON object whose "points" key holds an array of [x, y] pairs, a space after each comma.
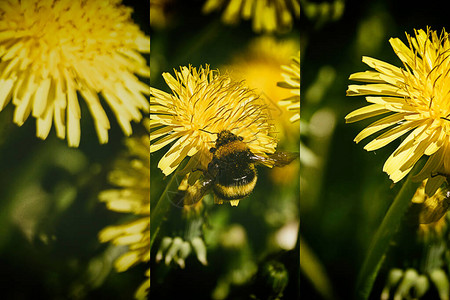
{"points": [[384, 234], [313, 269], [159, 212]]}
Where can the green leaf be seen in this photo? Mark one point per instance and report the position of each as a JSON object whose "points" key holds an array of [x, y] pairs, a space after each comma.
{"points": [[314, 271], [384, 234]]}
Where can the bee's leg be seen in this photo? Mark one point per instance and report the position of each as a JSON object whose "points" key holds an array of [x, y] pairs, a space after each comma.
{"points": [[213, 168], [198, 169], [217, 200], [440, 174]]}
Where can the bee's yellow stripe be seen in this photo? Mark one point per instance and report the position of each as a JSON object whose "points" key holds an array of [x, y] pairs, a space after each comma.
{"points": [[235, 191]]}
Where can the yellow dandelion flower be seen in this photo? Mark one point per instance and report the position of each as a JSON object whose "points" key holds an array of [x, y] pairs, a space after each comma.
{"points": [[259, 65], [415, 98], [203, 102], [132, 177], [51, 50], [292, 81], [266, 15]]}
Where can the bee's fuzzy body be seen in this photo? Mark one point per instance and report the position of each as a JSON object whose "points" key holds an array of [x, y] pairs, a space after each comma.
{"points": [[232, 168]]}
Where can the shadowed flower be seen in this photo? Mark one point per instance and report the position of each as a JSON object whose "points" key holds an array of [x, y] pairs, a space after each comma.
{"points": [[132, 177], [415, 98], [266, 15], [204, 102], [292, 81], [428, 209], [259, 66], [52, 50], [160, 13], [177, 250], [400, 284]]}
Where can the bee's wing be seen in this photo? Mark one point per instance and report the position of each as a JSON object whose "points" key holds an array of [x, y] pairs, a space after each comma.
{"points": [[277, 159], [283, 158]]}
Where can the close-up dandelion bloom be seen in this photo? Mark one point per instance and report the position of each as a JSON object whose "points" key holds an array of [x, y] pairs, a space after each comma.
{"points": [[52, 51], [415, 99], [266, 15], [291, 81], [203, 103], [131, 176]]}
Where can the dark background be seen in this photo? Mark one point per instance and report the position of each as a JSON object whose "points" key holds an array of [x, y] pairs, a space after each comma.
{"points": [[355, 194]]}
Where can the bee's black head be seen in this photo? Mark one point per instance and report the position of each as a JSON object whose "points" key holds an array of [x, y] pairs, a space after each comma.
{"points": [[224, 137]]}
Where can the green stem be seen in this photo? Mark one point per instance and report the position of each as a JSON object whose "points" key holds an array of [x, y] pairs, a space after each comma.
{"points": [[158, 213], [314, 271], [384, 234]]}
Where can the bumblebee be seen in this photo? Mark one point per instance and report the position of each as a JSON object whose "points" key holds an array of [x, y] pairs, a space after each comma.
{"points": [[232, 173]]}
